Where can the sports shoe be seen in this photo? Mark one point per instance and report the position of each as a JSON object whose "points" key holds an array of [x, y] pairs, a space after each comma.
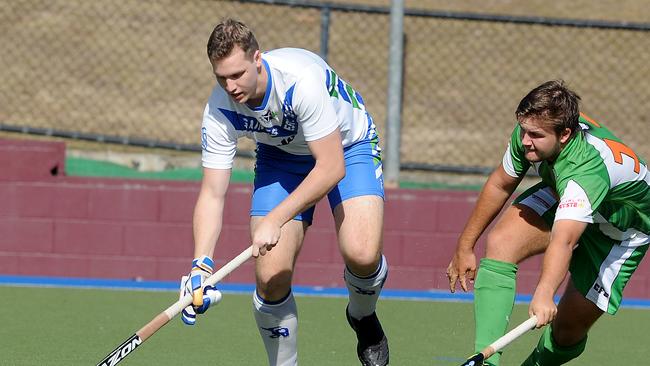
{"points": [[372, 346]]}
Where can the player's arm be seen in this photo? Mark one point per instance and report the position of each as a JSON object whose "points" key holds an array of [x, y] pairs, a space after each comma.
{"points": [[564, 237], [208, 211], [495, 193], [207, 221], [327, 172], [317, 116]]}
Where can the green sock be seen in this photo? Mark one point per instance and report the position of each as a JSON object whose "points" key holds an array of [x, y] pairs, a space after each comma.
{"points": [[548, 353], [494, 297]]}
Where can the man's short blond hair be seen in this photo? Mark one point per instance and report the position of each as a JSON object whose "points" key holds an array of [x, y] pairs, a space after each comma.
{"points": [[228, 34]]}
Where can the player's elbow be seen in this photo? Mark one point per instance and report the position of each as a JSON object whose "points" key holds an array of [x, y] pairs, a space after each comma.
{"points": [[335, 171], [339, 172], [331, 168]]}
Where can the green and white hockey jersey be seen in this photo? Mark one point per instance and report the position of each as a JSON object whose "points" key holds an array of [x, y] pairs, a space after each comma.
{"points": [[598, 180]]}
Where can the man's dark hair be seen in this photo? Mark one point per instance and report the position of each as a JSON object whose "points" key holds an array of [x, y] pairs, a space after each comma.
{"points": [[552, 102], [228, 34]]}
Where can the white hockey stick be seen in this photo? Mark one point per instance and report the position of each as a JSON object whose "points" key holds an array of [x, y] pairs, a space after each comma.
{"points": [[124, 349], [497, 345]]}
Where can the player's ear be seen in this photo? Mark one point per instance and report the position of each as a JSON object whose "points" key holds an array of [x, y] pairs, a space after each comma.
{"points": [[565, 135], [257, 58]]}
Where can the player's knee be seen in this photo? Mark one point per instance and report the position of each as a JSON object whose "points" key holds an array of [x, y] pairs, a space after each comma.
{"points": [[362, 260], [499, 245], [567, 335], [569, 330], [273, 285]]}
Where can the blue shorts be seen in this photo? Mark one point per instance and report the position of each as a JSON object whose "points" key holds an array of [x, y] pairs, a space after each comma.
{"points": [[278, 173]]}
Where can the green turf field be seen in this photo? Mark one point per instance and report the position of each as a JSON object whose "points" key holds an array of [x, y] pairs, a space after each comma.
{"points": [[53, 326]]}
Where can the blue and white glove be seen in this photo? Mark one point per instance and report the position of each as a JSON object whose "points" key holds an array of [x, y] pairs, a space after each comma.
{"points": [[202, 296]]}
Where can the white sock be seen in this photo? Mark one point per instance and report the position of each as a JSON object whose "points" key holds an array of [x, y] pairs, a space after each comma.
{"points": [[277, 323], [363, 292]]}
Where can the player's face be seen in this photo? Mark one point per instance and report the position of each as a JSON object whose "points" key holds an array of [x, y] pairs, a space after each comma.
{"points": [[238, 75], [540, 141]]}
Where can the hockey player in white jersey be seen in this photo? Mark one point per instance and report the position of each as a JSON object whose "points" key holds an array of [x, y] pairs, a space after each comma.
{"points": [[314, 139]]}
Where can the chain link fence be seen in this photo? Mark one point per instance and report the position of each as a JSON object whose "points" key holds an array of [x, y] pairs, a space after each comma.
{"points": [[135, 71]]}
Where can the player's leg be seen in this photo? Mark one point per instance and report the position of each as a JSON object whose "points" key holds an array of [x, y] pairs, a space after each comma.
{"points": [[358, 209], [273, 304], [359, 226], [522, 231], [600, 268], [276, 175], [566, 338]]}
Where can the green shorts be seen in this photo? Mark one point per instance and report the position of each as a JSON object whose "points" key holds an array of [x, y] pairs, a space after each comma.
{"points": [[600, 266]]}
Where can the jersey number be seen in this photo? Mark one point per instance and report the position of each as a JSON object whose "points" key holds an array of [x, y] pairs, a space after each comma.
{"points": [[619, 149]]}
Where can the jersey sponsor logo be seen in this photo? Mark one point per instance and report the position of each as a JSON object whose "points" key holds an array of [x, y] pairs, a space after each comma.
{"points": [[601, 290], [277, 332], [572, 203], [287, 141], [289, 118], [266, 120], [242, 122]]}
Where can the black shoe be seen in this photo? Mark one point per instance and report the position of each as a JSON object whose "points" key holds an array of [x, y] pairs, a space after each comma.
{"points": [[372, 346]]}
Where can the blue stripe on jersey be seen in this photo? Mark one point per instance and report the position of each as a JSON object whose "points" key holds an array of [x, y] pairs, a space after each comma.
{"points": [[327, 79], [343, 92], [330, 83], [289, 118], [359, 99], [243, 122], [269, 85]]}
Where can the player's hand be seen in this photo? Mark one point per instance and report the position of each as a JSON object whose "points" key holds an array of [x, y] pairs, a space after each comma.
{"points": [[202, 296], [475, 360], [543, 307], [462, 268], [265, 236]]}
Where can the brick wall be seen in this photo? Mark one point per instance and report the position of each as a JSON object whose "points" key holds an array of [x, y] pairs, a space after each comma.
{"points": [[53, 225]]}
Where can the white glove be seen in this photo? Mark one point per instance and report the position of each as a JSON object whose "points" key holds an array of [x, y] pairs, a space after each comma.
{"points": [[202, 296]]}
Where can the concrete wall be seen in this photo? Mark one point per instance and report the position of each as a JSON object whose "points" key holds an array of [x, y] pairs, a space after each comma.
{"points": [[53, 225]]}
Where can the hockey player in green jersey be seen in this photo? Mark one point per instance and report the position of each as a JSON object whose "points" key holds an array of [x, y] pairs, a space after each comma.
{"points": [[590, 215]]}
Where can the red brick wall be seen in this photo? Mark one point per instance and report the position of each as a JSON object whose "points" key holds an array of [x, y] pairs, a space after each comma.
{"points": [[114, 228]]}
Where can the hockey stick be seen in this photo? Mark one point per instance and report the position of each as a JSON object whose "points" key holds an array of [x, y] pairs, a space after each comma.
{"points": [[124, 349], [477, 359]]}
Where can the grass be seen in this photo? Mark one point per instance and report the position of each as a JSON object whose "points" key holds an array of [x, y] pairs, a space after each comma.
{"points": [[61, 326]]}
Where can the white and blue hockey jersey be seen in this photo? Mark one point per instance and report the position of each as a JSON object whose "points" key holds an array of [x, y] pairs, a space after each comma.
{"points": [[305, 100]]}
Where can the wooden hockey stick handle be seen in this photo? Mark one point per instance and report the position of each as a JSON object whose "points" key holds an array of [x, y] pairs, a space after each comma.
{"points": [[123, 350], [515, 333]]}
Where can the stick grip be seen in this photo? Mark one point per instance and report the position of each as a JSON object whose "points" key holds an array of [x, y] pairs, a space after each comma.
{"points": [[186, 300]]}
